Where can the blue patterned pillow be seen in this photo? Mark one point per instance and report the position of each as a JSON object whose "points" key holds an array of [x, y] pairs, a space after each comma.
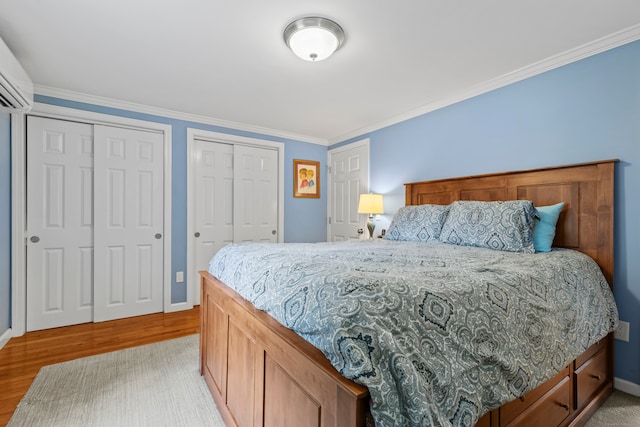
{"points": [[503, 226], [417, 223]]}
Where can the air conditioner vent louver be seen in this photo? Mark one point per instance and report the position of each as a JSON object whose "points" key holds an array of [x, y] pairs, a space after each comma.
{"points": [[3, 102], [16, 88]]}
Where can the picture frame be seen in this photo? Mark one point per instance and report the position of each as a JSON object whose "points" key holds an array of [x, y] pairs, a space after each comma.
{"points": [[306, 179]]}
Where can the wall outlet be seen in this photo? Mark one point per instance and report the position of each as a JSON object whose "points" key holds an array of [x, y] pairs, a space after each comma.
{"points": [[179, 277], [622, 333]]}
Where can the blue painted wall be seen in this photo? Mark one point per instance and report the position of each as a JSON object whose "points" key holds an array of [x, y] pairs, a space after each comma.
{"points": [[585, 111], [298, 213], [5, 222], [308, 216]]}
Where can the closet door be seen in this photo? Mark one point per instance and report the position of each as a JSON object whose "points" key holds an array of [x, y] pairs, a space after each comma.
{"points": [[59, 223], [255, 202], [235, 190], [128, 223]]}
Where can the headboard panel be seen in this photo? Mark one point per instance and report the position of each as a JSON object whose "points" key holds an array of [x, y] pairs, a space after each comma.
{"points": [[585, 223]]}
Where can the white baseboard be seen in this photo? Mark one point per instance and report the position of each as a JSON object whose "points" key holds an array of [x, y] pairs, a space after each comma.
{"points": [[179, 306], [626, 386], [5, 337]]}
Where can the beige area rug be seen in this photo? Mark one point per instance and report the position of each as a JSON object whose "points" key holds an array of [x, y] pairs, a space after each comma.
{"points": [[160, 385], [152, 385], [620, 409]]}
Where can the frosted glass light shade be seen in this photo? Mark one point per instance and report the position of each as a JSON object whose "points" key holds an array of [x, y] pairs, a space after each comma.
{"points": [[370, 204], [313, 38]]}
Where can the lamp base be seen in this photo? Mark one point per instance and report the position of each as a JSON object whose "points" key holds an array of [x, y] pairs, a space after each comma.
{"points": [[370, 226]]}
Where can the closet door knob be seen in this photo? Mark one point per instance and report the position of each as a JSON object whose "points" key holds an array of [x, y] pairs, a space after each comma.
{"points": [[35, 239], [158, 236], [196, 234], [273, 232]]}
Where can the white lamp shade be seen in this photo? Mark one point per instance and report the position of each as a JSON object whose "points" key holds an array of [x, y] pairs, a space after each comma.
{"points": [[313, 44], [370, 204]]}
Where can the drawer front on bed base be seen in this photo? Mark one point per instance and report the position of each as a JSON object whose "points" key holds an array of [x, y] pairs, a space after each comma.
{"points": [[552, 409], [590, 377], [547, 398]]}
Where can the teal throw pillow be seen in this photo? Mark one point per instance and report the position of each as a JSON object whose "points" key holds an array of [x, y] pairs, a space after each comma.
{"points": [[545, 228]]}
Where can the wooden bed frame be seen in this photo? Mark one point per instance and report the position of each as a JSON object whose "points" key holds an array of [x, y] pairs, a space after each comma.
{"points": [[261, 373]]}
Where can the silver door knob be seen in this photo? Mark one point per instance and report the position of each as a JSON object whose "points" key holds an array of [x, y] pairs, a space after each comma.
{"points": [[35, 239], [196, 234], [360, 231], [273, 232], [158, 236]]}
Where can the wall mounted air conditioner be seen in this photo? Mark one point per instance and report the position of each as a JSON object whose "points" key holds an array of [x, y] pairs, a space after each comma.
{"points": [[16, 88]]}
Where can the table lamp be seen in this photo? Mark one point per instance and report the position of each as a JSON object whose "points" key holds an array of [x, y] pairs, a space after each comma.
{"points": [[370, 204]]}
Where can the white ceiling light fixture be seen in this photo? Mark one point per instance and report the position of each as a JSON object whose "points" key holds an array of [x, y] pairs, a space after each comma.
{"points": [[313, 38]]}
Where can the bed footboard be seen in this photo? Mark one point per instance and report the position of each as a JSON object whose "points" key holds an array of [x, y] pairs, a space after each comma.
{"points": [[263, 374]]}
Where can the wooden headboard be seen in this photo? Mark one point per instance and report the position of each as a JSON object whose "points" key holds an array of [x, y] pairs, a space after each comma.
{"points": [[586, 221]]}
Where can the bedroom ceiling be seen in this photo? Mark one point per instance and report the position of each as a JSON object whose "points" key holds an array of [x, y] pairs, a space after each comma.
{"points": [[226, 60]]}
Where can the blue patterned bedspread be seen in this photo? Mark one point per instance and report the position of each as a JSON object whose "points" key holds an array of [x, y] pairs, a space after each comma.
{"points": [[439, 333]]}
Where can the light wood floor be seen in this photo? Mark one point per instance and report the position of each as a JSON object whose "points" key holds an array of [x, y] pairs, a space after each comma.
{"points": [[22, 357]]}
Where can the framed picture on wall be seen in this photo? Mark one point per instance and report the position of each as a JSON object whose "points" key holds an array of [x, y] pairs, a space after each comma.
{"points": [[306, 179]]}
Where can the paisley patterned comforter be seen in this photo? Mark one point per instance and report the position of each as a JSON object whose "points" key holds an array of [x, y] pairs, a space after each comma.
{"points": [[439, 333]]}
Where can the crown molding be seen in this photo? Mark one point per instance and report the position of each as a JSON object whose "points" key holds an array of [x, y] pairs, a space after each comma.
{"points": [[156, 111], [603, 44]]}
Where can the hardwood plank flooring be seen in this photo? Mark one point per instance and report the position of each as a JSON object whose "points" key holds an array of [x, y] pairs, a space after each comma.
{"points": [[22, 357]]}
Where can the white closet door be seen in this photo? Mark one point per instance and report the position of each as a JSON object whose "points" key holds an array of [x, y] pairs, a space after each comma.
{"points": [[128, 223], [255, 203], [349, 178], [213, 207], [59, 223]]}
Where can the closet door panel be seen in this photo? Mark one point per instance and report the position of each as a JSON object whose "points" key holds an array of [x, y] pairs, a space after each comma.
{"points": [[255, 206], [128, 226], [59, 223], [213, 213]]}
